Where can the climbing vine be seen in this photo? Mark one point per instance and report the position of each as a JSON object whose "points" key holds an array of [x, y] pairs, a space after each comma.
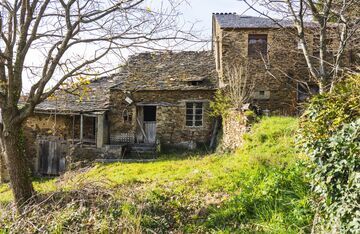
{"points": [[330, 136]]}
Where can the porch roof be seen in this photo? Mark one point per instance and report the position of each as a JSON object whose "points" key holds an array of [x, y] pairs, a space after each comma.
{"points": [[91, 98]]}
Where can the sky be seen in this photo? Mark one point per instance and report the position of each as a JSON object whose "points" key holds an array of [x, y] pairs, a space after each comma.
{"points": [[201, 10]]}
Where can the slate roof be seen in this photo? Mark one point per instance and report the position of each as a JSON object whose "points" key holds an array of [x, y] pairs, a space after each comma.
{"points": [[95, 97], [186, 70], [232, 20]]}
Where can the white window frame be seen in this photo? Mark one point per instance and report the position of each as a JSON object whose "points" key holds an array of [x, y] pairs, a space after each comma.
{"points": [[194, 114]]}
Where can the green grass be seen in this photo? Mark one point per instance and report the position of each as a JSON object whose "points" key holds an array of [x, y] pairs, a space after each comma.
{"points": [[258, 189]]}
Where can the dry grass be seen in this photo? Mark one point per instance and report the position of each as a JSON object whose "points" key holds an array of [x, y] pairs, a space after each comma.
{"points": [[258, 189]]}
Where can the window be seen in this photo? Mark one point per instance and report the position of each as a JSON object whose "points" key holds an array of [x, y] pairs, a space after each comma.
{"points": [[127, 118], [304, 91], [196, 82], [257, 45], [194, 114]]}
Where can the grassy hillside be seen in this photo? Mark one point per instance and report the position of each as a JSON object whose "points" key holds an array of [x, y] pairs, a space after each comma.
{"points": [[259, 189]]}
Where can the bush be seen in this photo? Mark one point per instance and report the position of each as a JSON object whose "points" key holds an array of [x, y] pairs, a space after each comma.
{"points": [[330, 136], [221, 105]]}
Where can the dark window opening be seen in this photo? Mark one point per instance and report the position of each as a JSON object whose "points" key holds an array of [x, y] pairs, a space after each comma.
{"points": [[257, 45], [262, 93], [127, 117], [89, 127], [306, 91], [196, 82], [194, 114], [149, 113]]}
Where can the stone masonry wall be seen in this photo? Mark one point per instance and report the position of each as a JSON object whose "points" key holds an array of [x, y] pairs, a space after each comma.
{"points": [[234, 126], [44, 125], [171, 114], [61, 126], [279, 75], [271, 77]]}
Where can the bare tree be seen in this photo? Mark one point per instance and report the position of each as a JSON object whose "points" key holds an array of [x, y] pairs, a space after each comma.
{"points": [[240, 86], [53, 41], [333, 24]]}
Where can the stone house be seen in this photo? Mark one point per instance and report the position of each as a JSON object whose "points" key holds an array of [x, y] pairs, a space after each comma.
{"points": [[157, 98], [163, 97], [269, 53]]}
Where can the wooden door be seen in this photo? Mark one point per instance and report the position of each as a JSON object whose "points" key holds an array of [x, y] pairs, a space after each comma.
{"points": [[150, 131], [51, 157], [150, 123]]}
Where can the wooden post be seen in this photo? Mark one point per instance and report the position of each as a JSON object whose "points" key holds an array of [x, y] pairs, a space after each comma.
{"points": [[100, 131], [81, 127], [214, 133], [73, 129]]}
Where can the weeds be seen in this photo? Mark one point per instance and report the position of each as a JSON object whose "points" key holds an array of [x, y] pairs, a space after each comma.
{"points": [[259, 189]]}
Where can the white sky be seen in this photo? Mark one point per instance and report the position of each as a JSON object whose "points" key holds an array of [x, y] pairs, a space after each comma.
{"points": [[201, 10]]}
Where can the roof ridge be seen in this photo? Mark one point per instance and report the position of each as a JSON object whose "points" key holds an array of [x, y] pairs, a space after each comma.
{"points": [[224, 13]]}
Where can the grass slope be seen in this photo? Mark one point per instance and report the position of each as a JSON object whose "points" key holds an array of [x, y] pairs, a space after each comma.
{"points": [[259, 189]]}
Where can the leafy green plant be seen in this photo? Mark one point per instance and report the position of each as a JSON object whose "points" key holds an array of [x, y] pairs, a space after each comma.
{"points": [[330, 136], [221, 104], [249, 114]]}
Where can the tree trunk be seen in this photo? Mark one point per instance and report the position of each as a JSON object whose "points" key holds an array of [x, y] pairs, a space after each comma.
{"points": [[4, 177], [16, 163]]}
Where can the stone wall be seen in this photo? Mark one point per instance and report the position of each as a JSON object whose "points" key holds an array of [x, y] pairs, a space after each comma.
{"points": [[44, 125], [64, 127], [234, 126], [171, 114]]}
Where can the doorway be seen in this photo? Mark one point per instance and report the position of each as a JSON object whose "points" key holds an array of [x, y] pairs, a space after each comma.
{"points": [[146, 119]]}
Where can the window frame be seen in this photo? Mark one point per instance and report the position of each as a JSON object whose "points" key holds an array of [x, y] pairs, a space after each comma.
{"points": [[193, 120], [255, 54]]}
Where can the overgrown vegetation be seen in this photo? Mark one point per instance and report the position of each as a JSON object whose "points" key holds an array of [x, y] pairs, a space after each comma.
{"points": [[330, 135], [221, 104], [259, 189]]}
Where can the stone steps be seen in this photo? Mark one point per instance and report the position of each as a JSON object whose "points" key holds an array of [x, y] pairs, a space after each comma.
{"points": [[143, 151]]}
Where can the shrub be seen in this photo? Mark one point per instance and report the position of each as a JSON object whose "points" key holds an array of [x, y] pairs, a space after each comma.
{"points": [[221, 105], [330, 136]]}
